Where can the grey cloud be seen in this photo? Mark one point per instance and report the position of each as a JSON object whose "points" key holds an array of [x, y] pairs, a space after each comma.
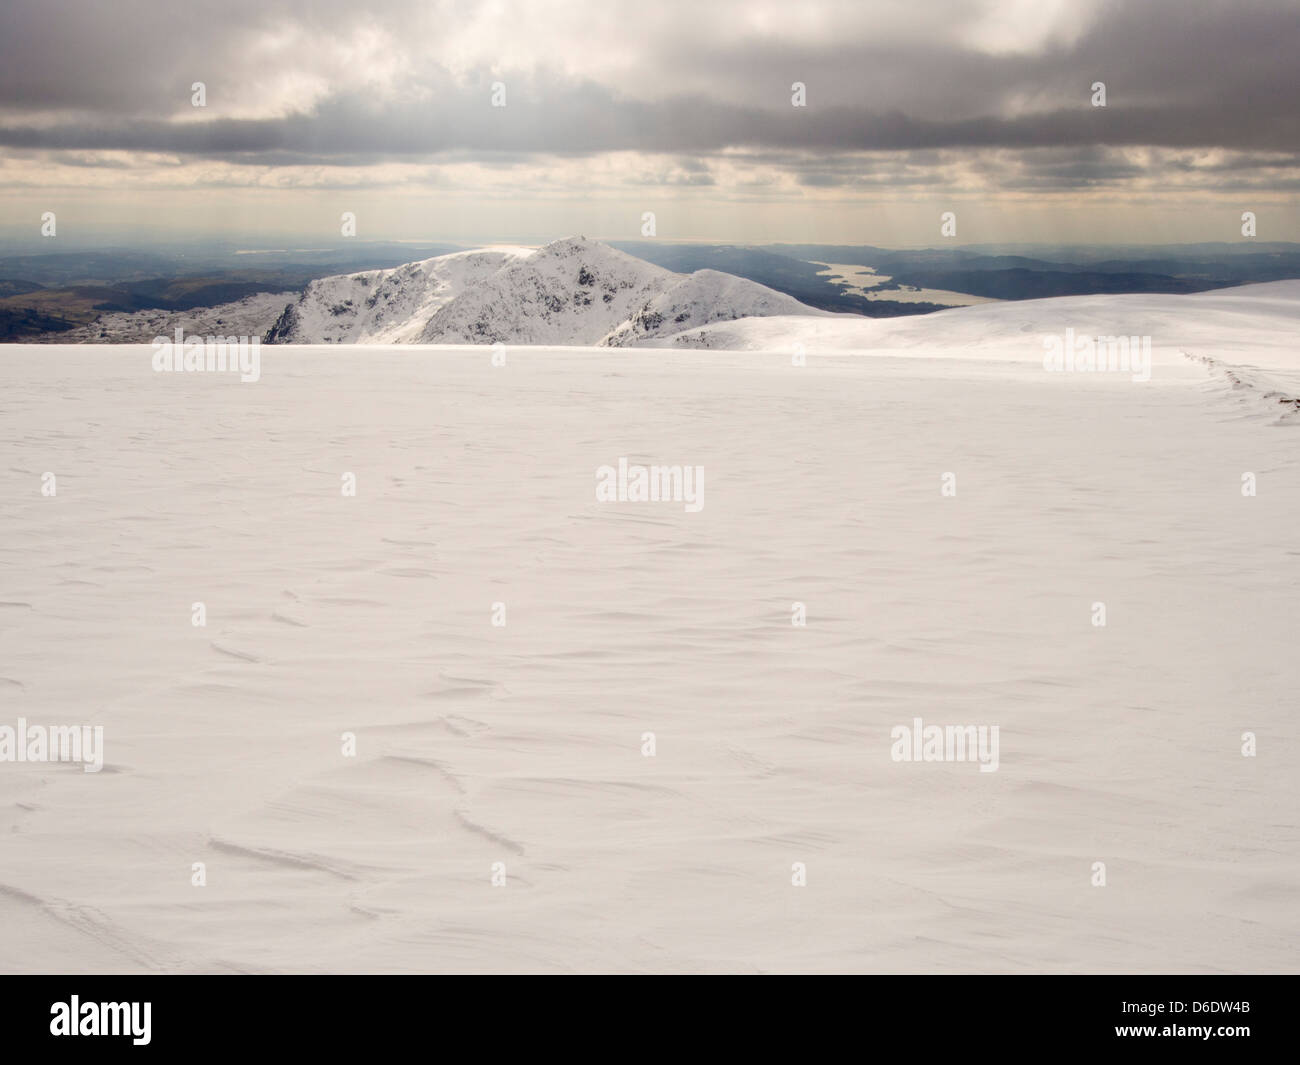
{"points": [[1179, 76], [353, 131]]}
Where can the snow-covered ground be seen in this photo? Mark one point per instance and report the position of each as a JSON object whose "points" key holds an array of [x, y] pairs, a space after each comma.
{"points": [[522, 744], [1229, 322]]}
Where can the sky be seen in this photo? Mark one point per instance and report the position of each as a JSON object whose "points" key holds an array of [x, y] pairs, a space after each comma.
{"points": [[385, 109]]}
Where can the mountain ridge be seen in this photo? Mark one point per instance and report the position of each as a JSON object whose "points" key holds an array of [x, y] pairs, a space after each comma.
{"points": [[570, 291]]}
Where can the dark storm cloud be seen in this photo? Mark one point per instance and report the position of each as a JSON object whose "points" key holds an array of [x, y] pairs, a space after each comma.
{"points": [[89, 77], [350, 130]]}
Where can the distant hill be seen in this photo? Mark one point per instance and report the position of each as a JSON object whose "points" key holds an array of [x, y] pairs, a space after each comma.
{"points": [[572, 291]]}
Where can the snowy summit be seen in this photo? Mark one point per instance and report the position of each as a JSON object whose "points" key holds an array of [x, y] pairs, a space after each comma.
{"points": [[572, 291]]}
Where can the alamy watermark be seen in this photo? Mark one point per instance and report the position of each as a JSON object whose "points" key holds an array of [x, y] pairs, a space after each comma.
{"points": [[75, 1017], [946, 743], [216, 354], [651, 484], [1078, 353], [53, 743]]}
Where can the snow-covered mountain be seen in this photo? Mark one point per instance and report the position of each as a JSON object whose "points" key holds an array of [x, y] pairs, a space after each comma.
{"points": [[702, 298], [384, 306], [573, 291]]}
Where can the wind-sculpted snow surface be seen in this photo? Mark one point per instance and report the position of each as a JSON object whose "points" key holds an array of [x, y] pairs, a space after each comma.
{"points": [[501, 809]]}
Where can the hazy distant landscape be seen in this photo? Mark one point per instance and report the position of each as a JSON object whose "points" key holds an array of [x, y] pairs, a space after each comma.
{"points": [[61, 296], [47, 293]]}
